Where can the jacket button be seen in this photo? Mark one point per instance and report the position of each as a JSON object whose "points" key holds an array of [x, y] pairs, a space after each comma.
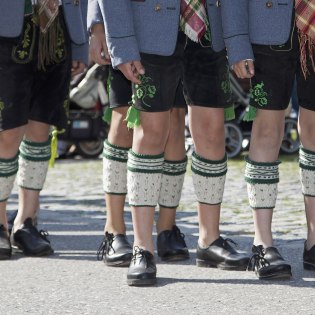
{"points": [[76, 2], [157, 8], [218, 3], [269, 4]]}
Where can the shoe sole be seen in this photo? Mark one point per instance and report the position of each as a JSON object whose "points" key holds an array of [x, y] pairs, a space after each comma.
{"points": [[277, 276], [5, 254], [308, 266], [18, 249], [175, 258], [141, 282], [206, 264], [124, 261], [118, 263]]}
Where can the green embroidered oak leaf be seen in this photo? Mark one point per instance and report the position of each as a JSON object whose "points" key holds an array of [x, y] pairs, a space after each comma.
{"points": [[1, 106], [139, 93], [225, 86], [22, 54], [259, 95], [151, 90]]}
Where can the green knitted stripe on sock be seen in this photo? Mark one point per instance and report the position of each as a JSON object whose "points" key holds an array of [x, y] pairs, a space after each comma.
{"points": [[113, 152], [208, 168], [261, 173], [35, 151]]}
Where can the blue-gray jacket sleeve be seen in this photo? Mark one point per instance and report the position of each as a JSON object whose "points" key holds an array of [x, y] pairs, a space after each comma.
{"points": [[120, 34], [235, 22], [94, 14], [80, 52]]}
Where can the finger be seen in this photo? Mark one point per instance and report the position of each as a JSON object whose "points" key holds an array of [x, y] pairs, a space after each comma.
{"points": [[127, 70], [139, 70], [251, 67]]}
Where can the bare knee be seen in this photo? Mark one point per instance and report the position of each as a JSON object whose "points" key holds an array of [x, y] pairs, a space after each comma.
{"points": [[9, 142]]}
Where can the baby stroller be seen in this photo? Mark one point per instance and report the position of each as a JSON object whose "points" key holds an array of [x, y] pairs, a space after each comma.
{"points": [[86, 130]]}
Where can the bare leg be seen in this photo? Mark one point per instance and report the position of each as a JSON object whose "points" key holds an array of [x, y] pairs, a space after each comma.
{"points": [[119, 135], [207, 129], [9, 144], [149, 139], [307, 136], [174, 151], [28, 198], [266, 138]]}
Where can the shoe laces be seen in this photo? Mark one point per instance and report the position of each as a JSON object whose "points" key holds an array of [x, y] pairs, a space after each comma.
{"points": [[105, 246], [226, 242], [44, 235], [139, 253], [178, 233], [258, 261]]}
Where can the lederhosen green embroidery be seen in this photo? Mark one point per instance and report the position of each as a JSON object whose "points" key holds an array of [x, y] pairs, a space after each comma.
{"points": [[259, 95], [107, 116], [1, 106], [229, 112], [110, 78], [23, 52], [225, 83], [144, 91], [61, 47]]}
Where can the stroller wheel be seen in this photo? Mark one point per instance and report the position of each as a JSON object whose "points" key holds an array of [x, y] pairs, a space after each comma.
{"points": [[291, 141], [233, 139], [90, 149]]}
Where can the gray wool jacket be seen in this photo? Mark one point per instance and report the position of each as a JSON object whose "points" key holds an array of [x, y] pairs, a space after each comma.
{"points": [[246, 22], [146, 26]]}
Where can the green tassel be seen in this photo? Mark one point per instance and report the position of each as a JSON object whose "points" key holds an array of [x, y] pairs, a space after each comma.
{"points": [[133, 117], [54, 146], [229, 113], [250, 114], [107, 117]]}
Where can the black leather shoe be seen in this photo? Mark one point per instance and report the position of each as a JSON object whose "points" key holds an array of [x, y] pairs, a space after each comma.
{"points": [[142, 269], [171, 245], [31, 241], [115, 250], [269, 264], [5, 245], [11, 218], [220, 254], [309, 258]]}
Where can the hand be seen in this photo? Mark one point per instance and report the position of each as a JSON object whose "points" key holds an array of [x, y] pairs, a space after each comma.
{"points": [[244, 69], [77, 68], [98, 47], [132, 70]]}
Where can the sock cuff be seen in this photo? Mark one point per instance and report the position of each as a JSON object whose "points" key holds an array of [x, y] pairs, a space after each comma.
{"points": [[307, 159], [208, 168], [261, 172], [142, 163], [113, 152], [9, 167], [174, 168], [35, 151]]}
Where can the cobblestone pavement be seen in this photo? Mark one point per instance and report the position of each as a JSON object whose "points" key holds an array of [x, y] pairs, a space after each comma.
{"points": [[72, 281]]}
